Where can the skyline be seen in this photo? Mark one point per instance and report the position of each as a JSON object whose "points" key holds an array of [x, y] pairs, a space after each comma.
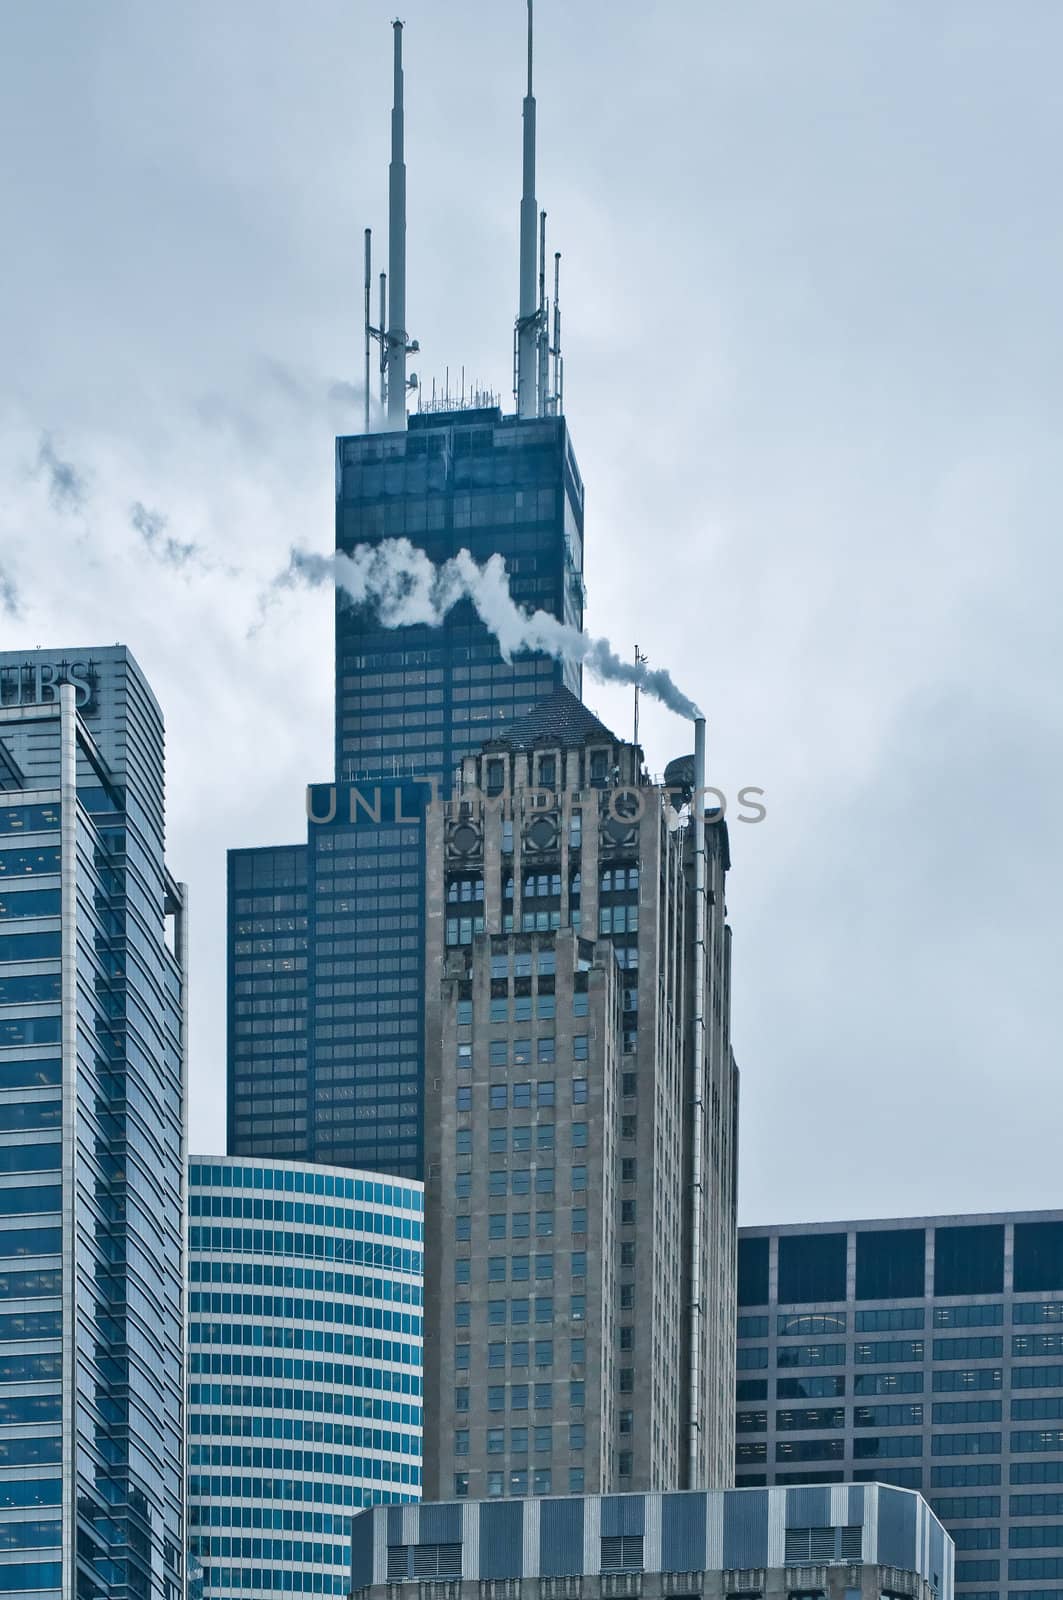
{"points": [[195, 453]]}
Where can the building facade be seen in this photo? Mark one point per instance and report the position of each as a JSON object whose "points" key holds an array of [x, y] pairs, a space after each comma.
{"points": [[92, 1127], [304, 1368], [570, 1348], [926, 1352], [331, 1070], [859, 1542]]}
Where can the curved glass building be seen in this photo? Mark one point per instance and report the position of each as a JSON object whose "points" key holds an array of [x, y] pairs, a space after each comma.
{"points": [[304, 1367]]}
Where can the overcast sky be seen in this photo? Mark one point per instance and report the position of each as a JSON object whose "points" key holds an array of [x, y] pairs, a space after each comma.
{"points": [[813, 257]]}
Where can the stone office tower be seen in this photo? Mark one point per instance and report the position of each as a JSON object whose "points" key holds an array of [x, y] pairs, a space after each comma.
{"points": [[562, 1204]]}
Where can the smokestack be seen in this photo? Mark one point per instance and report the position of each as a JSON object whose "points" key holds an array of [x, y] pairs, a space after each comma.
{"points": [[396, 327], [528, 315]]}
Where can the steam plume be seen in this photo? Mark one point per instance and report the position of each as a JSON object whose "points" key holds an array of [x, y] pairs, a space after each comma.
{"points": [[404, 587]]}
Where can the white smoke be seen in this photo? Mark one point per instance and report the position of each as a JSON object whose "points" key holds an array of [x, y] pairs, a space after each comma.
{"points": [[404, 587]]}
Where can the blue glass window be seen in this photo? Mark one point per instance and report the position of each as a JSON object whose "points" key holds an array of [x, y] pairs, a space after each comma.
{"points": [[29, 903], [20, 863], [30, 946]]}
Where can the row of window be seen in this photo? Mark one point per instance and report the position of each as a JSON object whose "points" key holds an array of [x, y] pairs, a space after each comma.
{"points": [[973, 1347], [523, 1396], [968, 1260], [894, 1319], [258, 1241], [499, 1094], [518, 1352], [295, 1181]]}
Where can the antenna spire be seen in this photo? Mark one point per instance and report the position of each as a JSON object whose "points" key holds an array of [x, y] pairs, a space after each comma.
{"points": [[528, 314], [396, 327]]}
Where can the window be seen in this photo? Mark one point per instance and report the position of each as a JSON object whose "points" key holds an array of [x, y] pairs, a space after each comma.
{"points": [[893, 1320], [544, 1137], [496, 1225], [496, 1269], [622, 1553], [973, 1347], [496, 1397], [815, 1387], [627, 1380], [496, 1355], [578, 1134], [951, 1380], [518, 1441], [981, 1475], [544, 1094], [888, 1383], [499, 1097], [463, 1097], [498, 1052], [979, 1316], [461, 1441], [496, 1441], [495, 1481], [811, 1267], [461, 1399], [579, 1091], [752, 1270], [969, 1260], [521, 1096], [890, 1264], [462, 1228], [953, 1411], [580, 1047], [546, 1051], [522, 1052], [887, 1350], [462, 1314], [461, 1485], [967, 1444], [1038, 1256], [579, 1219]]}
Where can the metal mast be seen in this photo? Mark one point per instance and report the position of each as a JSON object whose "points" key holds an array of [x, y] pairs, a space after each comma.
{"points": [[396, 327], [528, 315]]}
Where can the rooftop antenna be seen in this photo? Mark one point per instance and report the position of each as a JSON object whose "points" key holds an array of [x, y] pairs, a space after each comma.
{"points": [[557, 398], [397, 346], [542, 335], [528, 315], [369, 329]]}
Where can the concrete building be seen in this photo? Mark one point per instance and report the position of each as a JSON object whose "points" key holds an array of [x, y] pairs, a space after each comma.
{"points": [[581, 1271], [861, 1542], [92, 1127], [304, 1368], [926, 1352]]}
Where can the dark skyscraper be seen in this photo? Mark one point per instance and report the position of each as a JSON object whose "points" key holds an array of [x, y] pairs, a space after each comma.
{"points": [[326, 941]]}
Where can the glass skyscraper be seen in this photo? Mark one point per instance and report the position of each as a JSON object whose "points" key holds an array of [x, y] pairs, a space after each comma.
{"points": [[304, 1368], [326, 943], [92, 1119], [925, 1352]]}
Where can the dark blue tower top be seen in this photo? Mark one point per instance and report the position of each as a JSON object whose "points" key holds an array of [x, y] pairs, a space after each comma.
{"points": [[415, 700]]}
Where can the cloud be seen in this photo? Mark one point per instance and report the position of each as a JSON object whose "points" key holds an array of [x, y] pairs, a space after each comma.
{"points": [[67, 487], [10, 604], [151, 526]]}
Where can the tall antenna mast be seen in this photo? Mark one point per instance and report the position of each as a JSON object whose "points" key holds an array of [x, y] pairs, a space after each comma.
{"points": [[542, 335], [396, 327], [556, 407], [368, 322], [528, 315]]}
